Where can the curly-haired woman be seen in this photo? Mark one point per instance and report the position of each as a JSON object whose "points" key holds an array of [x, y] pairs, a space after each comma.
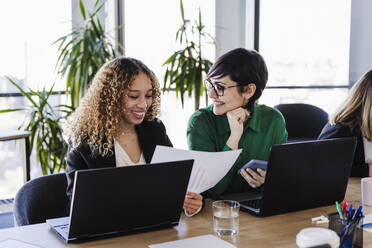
{"points": [[115, 124]]}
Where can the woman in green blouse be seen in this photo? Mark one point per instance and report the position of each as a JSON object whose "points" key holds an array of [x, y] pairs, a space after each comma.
{"points": [[235, 120]]}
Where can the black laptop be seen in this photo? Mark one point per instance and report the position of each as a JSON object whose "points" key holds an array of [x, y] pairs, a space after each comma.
{"points": [[300, 176], [126, 199]]}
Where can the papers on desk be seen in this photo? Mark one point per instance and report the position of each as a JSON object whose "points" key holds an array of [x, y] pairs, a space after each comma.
{"points": [[196, 242], [209, 167], [367, 223], [13, 243]]}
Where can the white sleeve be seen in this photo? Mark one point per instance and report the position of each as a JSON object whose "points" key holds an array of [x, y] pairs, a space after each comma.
{"points": [[191, 215], [367, 150]]}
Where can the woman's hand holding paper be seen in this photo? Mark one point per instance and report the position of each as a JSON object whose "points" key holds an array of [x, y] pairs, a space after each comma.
{"points": [[193, 203]]}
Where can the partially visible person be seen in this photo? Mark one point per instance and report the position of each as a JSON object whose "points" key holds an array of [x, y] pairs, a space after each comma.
{"points": [[235, 120], [354, 119], [115, 124]]}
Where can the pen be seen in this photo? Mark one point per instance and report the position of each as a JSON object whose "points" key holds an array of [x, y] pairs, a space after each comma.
{"points": [[339, 210], [361, 211], [344, 207], [357, 213], [349, 212], [345, 213], [354, 216]]}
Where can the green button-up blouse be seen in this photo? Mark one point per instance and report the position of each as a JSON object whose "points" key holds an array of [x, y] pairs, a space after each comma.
{"points": [[209, 132]]}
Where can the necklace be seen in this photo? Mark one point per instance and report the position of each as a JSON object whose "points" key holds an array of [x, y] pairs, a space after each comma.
{"points": [[127, 131], [124, 133], [127, 138]]}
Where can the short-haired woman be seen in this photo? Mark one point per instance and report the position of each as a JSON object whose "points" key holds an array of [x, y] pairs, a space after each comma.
{"points": [[235, 120]]}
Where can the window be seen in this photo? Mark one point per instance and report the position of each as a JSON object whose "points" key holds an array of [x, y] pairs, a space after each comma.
{"points": [[306, 43], [150, 35], [26, 49], [27, 53], [27, 56]]}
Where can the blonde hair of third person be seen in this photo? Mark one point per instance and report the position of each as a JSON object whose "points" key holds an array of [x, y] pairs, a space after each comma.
{"points": [[357, 109], [354, 119]]}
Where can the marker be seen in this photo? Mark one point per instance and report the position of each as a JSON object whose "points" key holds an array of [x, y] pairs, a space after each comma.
{"points": [[361, 211], [349, 212], [344, 207], [339, 210], [357, 213]]}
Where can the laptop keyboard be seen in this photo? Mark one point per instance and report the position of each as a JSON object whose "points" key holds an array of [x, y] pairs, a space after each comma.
{"points": [[63, 229], [254, 203]]}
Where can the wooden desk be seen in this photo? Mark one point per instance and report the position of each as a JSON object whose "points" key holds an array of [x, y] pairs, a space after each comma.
{"points": [[274, 231], [6, 135]]}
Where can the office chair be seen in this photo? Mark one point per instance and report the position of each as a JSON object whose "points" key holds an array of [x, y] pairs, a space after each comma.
{"points": [[303, 121], [40, 199]]}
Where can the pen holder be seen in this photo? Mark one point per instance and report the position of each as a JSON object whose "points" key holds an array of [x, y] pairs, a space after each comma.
{"points": [[351, 236]]}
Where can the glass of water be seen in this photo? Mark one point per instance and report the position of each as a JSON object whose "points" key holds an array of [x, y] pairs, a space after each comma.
{"points": [[226, 217]]}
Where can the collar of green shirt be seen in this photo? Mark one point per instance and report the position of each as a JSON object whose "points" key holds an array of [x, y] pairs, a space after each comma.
{"points": [[254, 123]]}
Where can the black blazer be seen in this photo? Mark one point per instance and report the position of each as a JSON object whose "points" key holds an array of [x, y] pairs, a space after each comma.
{"points": [[359, 168], [150, 134]]}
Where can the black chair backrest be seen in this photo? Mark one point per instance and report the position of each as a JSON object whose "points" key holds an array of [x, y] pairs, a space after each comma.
{"points": [[40, 199], [303, 121]]}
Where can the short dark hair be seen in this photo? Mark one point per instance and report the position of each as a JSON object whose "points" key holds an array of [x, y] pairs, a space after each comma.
{"points": [[244, 67]]}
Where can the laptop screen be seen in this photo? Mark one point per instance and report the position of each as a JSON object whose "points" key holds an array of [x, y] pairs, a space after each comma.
{"points": [[129, 198], [307, 174], [301, 175]]}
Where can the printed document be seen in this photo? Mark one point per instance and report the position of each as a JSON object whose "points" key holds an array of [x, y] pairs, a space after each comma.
{"points": [[13, 243], [367, 223], [196, 242], [209, 167]]}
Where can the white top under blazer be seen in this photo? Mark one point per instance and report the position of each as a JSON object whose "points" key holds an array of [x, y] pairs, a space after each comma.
{"points": [[122, 158]]}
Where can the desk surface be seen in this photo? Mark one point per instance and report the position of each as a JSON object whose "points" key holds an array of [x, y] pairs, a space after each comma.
{"points": [[13, 134], [274, 231]]}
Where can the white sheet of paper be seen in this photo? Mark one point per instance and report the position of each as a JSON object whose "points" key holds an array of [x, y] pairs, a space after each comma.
{"points": [[196, 242], [366, 220], [13, 243], [209, 167]]}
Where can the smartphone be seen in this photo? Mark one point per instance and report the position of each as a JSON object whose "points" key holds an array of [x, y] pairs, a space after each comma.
{"points": [[254, 164]]}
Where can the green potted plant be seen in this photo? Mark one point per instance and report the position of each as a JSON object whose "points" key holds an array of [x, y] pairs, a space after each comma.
{"points": [[186, 67], [46, 131], [83, 52]]}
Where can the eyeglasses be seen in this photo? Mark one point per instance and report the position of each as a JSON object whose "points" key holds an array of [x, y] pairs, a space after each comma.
{"points": [[218, 89]]}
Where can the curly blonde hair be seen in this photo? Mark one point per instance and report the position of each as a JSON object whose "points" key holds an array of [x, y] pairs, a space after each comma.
{"points": [[96, 120]]}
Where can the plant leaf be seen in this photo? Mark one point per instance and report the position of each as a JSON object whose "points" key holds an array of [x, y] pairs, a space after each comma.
{"points": [[8, 110], [82, 9], [22, 91]]}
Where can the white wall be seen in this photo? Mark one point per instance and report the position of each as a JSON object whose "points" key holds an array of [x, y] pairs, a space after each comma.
{"points": [[360, 39]]}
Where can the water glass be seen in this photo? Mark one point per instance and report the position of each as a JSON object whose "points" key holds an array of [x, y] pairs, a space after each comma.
{"points": [[226, 217]]}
